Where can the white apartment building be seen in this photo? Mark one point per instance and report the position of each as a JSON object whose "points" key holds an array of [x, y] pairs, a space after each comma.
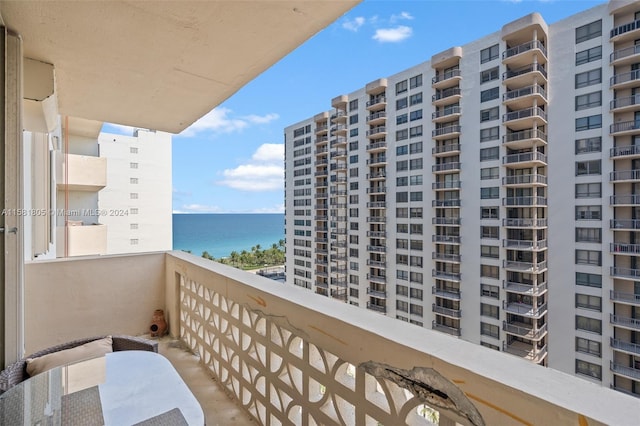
{"points": [[112, 192], [491, 193]]}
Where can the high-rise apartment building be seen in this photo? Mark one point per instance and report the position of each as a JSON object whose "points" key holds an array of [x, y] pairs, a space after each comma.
{"points": [[491, 193]]}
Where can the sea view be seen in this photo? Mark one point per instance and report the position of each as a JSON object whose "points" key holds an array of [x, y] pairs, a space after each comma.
{"points": [[220, 234]]}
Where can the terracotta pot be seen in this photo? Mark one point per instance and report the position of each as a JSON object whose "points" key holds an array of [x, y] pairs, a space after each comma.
{"points": [[158, 326]]}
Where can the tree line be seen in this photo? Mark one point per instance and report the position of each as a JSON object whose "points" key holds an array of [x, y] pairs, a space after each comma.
{"points": [[254, 259]]}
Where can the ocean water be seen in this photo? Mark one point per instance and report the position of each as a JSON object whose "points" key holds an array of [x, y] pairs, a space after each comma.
{"points": [[220, 234]]}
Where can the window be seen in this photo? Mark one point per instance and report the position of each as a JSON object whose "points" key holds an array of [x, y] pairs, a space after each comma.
{"points": [[588, 324], [489, 271], [416, 228], [133, 165], [402, 134], [415, 115], [588, 369], [489, 310], [588, 235], [401, 150], [133, 210], [490, 346], [401, 87], [489, 330], [353, 119], [133, 226], [490, 193], [402, 212], [589, 78], [133, 181], [492, 291], [587, 346], [415, 81], [416, 196], [415, 131], [133, 150], [416, 277], [415, 180], [488, 173], [588, 257], [586, 301], [354, 266], [489, 54], [402, 306], [353, 159], [353, 212], [588, 212], [589, 55], [588, 190], [490, 134], [489, 212], [402, 275], [589, 145], [133, 195], [402, 118], [487, 154], [402, 197], [416, 212], [587, 123], [588, 100], [489, 75], [489, 114], [588, 167], [133, 241], [401, 103], [589, 31], [489, 94], [490, 232], [416, 293], [589, 280], [402, 165], [415, 99], [415, 148], [415, 164], [402, 290], [353, 105], [402, 181], [490, 251], [353, 132], [353, 172]]}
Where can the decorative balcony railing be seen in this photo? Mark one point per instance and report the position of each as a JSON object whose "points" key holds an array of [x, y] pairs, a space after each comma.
{"points": [[624, 28], [624, 126], [625, 346], [625, 321], [624, 77]]}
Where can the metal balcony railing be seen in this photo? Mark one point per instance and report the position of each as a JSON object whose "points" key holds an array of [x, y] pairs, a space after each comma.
{"points": [[525, 70], [455, 313], [624, 77], [624, 28], [524, 47], [524, 113], [524, 91], [446, 76], [524, 135]]}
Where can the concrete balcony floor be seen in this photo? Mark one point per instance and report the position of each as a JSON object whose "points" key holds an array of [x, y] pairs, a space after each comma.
{"points": [[219, 408]]}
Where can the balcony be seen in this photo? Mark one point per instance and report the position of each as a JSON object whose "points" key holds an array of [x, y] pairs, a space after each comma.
{"points": [[626, 56], [445, 167], [377, 161], [525, 118], [377, 175], [624, 176], [446, 293], [446, 114], [524, 310], [524, 223], [524, 138], [445, 257], [623, 297], [377, 118], [377, 146], [533, 267], [447, 132], [628, 103], [447, 78], [376, 263], [377, 190], [624, 248], [338, 142], [624, 346], [377, 132], [453, 202], [624, 80], [626, 322], [322, 129], [376, 204], [628, 31], [524, 201], [625, 200], [524, 330], [625, 128], [454, 331], [82, 240], [524, 97], [377, 219], [446, 150], [537, 289], [526, 351], [446, 275], [377, 103], [623, 370], [447, 312], [525, 159], [377, 308], [235, 322], [377, 249], [338, 153], [445, 220], [376, 293], [525, 53], [446, 96], [625, 151], [525, 244], [377, 278], [446, 239], [525, 180], [624, 224], [449, 184], [84, 173], [526, 75], [376, 234]]}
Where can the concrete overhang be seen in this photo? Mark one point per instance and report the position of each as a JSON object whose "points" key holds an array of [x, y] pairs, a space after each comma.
{"points": [[160, 64]]}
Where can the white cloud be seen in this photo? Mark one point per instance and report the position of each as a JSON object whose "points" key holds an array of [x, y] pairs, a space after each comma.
{"points": [[220, 120], [393, 35], [275, 209], [402, 16], [264, 172], [353, 24], [198, 208]]}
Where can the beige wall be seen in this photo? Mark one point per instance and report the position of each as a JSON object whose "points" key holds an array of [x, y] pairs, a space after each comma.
{"points": [[67, 299]]}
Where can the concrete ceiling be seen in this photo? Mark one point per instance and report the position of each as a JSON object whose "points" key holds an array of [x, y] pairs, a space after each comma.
{"points": [[160, 64]]}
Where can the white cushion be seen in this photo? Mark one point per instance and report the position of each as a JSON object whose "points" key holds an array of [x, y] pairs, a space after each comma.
{"points": [[89, 350]]}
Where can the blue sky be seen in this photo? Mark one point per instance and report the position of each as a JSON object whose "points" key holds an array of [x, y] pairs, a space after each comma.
{"points": [[231, 160]]}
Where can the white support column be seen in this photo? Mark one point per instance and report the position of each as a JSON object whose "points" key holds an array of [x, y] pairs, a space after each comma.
{"points": [[12, 260]]}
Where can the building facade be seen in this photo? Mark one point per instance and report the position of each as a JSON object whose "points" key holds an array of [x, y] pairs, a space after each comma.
{"points": [[489, 193]]}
